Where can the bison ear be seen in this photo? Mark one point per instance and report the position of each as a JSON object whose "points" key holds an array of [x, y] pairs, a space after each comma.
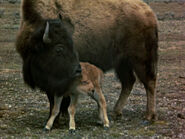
{"points": [[67, 23]]}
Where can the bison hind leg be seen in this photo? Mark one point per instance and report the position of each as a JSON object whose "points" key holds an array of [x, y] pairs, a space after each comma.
{"points": [[126, 76], [146, 70], [147, 75]]}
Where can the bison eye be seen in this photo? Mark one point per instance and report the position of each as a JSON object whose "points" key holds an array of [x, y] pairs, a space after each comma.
{"points": [[59, 50]]}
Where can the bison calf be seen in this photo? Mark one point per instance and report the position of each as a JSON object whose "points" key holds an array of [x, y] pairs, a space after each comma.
{"points": [[89, 84]]}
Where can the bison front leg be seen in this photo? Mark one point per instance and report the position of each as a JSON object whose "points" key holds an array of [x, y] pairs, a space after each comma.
{"points": [[51, 102], [55, 111], [71, 111], [127, 78]]}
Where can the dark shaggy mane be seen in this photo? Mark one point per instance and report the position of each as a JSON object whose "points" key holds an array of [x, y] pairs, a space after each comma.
{"points": [[27, 73]]}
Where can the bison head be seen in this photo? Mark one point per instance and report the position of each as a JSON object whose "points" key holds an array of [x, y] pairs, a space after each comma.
{"points": [[52, 63]]}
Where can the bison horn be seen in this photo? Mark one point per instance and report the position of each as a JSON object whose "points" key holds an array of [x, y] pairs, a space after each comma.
{"points": [[46, 38]]}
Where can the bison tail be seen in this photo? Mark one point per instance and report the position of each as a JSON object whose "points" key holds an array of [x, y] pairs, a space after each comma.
{"points": [[28, 11], [151, 44]]}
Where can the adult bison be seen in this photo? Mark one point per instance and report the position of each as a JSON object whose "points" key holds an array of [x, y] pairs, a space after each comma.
{"points": [[49, 59], [119, 34]]}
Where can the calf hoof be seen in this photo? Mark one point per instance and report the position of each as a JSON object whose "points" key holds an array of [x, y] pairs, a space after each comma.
{"points": [[72, 131], [99, 122], [116, 115]]}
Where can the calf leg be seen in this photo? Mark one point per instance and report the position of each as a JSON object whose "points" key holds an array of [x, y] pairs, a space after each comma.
{"points": [[54, 113], [102, 107], [71, 111]]}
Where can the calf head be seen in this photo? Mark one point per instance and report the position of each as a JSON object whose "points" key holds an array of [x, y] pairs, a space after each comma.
{"points": [[52, 62]]}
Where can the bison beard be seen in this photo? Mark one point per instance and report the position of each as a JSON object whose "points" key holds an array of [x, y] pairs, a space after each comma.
{"points": [[119, 34]]}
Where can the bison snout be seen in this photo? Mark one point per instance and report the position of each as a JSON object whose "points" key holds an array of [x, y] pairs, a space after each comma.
{"points": [[77, 71]]}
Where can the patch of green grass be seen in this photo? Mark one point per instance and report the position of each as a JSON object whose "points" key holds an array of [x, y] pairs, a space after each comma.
{"points": [[141, 131]]}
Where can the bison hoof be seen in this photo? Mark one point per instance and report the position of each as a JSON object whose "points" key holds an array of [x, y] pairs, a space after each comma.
{"points": [[151, 117], [72, 131], [46, 130], [145, 123]]}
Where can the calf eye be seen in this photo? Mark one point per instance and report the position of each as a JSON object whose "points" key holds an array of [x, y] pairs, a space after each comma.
{"points": [[85, 82]]}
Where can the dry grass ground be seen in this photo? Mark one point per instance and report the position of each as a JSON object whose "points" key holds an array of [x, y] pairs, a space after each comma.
{"points": [[23, 111]]}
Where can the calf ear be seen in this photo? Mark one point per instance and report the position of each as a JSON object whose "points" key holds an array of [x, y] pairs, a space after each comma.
{"points": [[67, 23]]}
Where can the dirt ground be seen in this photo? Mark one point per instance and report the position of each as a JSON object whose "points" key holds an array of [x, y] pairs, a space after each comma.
{"points": [[23, 111]]}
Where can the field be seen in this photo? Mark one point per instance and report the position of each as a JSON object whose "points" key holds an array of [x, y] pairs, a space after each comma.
{"points": [[23, 111]]}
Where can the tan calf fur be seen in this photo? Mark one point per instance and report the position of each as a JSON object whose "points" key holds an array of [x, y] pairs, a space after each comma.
{"points": [[89, 84]]}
